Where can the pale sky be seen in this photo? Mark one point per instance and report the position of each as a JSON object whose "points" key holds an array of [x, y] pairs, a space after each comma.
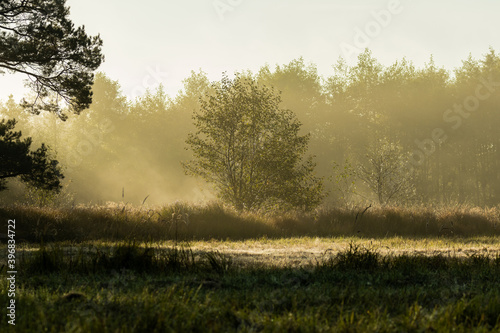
{"points": [[151, 41]]}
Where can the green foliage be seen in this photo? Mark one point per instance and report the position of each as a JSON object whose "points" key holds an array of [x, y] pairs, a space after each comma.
{"points": [[251, 149], [346, 115], [406, 105], [35, 168], [40, 41]]}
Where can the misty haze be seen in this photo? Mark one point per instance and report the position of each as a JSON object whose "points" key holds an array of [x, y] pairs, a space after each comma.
{"points": [[249, 166]]}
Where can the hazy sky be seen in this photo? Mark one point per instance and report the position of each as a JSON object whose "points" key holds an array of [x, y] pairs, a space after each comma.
{"points": [[152, 41]]}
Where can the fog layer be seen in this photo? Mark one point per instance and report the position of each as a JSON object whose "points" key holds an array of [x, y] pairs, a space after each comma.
{"points": [[433, 133]]}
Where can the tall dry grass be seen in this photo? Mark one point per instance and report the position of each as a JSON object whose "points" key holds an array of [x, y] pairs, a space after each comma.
{"points": [[181, 221]]}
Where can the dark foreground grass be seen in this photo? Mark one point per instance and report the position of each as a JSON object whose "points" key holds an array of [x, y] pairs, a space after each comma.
{"points": [[131, 288]]}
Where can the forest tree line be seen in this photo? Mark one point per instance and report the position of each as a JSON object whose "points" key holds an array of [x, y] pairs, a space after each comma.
{"points": [[390, 134]]}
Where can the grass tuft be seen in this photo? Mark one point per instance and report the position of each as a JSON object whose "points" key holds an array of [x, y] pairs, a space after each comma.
{"points": [[354, 258], [219, 262]]}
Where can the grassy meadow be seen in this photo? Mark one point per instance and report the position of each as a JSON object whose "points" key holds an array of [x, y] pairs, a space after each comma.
{"points": [[184, 268]]}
